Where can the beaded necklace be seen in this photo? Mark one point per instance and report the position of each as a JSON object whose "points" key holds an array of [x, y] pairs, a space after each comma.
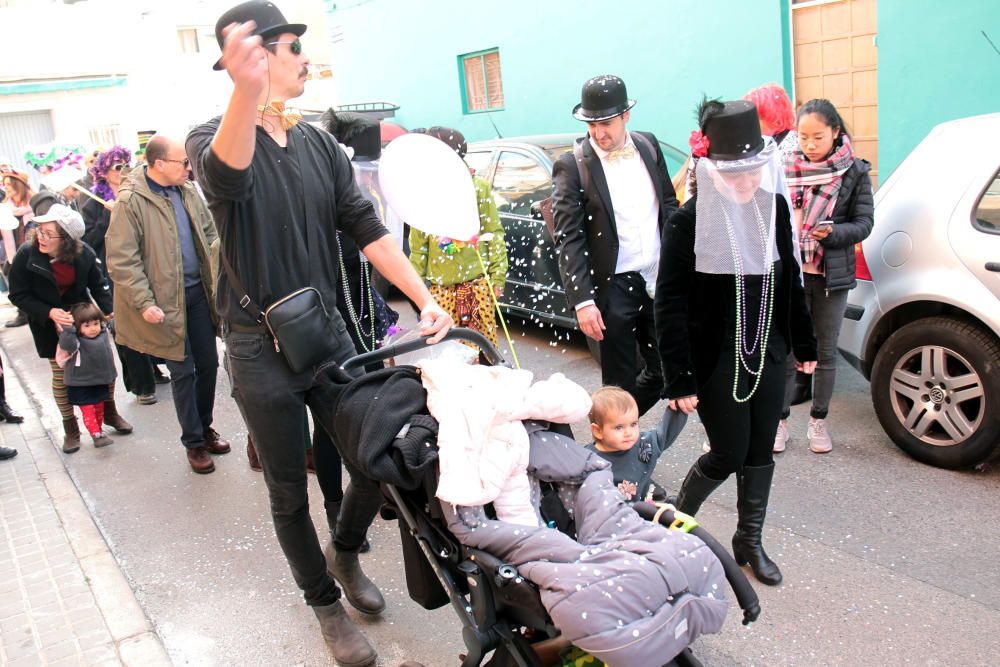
{"points": [[743, 352], [365, 285]]}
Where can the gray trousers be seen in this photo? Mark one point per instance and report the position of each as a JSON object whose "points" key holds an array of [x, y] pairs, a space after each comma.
{"points": [[827, 311]]}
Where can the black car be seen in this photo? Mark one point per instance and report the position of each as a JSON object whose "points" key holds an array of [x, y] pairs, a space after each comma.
{"points": [[520, 171]]}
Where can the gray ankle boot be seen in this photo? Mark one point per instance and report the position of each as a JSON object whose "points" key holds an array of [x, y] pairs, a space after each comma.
{"points": [[358, 588], [348, 645]]}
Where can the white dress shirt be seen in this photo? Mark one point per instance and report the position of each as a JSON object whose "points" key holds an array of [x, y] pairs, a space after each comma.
{"points": [[637, 215]]}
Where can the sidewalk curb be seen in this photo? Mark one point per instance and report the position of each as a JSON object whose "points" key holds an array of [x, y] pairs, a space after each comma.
{"points": [[133, 634]]}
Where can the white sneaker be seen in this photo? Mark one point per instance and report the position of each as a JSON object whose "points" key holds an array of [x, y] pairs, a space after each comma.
{"points": [[781, 437], [819, 438]]}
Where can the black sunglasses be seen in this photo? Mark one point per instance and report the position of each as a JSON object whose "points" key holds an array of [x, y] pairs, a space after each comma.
{"points": [[294, 46], [186, 162]]}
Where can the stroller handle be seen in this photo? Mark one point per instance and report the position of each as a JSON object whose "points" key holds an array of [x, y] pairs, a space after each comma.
{"points": [[456, 333], [745, 594]]}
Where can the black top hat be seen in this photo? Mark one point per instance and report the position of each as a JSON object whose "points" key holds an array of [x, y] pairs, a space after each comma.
{"points": [[734, 132], [269, 19], [603, 97]]}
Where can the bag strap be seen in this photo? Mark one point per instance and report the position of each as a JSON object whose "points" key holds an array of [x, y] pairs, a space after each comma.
{"points": [[246, 303]]}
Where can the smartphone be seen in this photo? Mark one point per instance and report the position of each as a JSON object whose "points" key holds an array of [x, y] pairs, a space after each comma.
{"points": [[825, 224]]}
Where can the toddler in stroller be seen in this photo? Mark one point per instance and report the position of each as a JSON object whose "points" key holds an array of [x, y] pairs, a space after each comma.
{"points": [[591, 570]]}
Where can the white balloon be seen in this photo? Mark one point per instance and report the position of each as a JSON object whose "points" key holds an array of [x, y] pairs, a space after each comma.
{"points": [[429, 186]]}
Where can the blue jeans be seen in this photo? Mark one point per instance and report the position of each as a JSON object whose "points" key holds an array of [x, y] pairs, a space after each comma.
{"points": [[273, 401], [193, 380]]}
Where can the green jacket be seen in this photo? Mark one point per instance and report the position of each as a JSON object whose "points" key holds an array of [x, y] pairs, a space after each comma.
{"points": [[432, 263], [146, 266]]}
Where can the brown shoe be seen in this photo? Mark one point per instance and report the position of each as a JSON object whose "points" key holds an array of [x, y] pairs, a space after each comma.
{"points": [[200, 461], [71, 441], [310, 463], [252, 456], [115, 420], [214, 444]]}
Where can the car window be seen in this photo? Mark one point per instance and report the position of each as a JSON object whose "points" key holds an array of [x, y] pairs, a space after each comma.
{"points": [[988, 208], [519, 182], [556, 152], [480, 161]]}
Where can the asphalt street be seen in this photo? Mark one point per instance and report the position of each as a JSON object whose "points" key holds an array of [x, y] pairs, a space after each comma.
{"points": [[886, 561]]}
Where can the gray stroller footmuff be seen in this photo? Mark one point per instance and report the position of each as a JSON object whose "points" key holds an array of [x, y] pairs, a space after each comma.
{"points": [[626, 590]]}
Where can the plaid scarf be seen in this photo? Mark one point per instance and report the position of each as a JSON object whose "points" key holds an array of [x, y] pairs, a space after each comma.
{"points": [[814, 187]]}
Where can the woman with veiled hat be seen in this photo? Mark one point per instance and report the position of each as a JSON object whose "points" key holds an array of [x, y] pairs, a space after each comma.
{"points": [[729, 308]]}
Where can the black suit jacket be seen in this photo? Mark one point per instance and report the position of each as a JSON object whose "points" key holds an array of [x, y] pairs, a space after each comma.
{"points": [[586, 237], [691, 311]]}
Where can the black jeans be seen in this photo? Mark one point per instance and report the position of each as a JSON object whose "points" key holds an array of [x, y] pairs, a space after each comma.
{"points": [[273, 401], [193, 380], [741, 434], [630, 334], [137, 371]]}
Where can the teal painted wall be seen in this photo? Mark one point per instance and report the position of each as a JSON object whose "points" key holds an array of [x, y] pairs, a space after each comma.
{"points": [[669, 52], [934, 65]]}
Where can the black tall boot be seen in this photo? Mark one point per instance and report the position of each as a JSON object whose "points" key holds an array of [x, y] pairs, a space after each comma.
{"points": [[753, 486], [6, 414], [695, 490]]}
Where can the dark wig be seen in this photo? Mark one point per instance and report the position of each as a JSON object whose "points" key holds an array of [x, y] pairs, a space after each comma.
{"points": [[68, 249], [345, 126], [825, 110]]}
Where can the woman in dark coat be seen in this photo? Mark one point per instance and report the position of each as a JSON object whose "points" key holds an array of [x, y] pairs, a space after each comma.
{"points": [[50, 273], [832, 210], [729, 308]]}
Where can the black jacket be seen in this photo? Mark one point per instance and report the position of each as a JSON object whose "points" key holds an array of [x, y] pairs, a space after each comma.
{"points": [[586, 238], [96, 218], [690, 307], [33, 289], [853, 217]]}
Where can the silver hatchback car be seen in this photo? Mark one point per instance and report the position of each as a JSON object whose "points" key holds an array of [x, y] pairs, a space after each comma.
{"points": [[923, 323]]}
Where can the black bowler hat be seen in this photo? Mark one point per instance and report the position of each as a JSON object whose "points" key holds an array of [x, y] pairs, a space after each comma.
{"points": [[269, 19], [603, 97], [734, 132]]}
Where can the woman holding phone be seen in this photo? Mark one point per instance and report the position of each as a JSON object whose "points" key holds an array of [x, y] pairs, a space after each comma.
{"points": [[832, 210]]}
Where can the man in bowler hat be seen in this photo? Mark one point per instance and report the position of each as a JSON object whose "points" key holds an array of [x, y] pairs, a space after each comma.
{"points": [[279, 191], [611, 197]]}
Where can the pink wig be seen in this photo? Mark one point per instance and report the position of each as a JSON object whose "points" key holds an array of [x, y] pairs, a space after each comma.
{"points": [[773, 107]]}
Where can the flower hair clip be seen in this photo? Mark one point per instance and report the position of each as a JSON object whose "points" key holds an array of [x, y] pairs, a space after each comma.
{"points": [[698, 143]]}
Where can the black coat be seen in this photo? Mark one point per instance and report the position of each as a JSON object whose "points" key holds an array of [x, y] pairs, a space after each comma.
{"points": [[691, 311], [33, 289], [853, 217], [96, 218], [586, 237]]}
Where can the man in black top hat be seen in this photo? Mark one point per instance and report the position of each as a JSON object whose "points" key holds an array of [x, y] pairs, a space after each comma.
{"points": [[279, 191], [611, 196]]}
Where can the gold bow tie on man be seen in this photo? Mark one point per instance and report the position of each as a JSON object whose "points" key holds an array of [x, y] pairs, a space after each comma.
{"points": [[289, 117], [626, 152]]}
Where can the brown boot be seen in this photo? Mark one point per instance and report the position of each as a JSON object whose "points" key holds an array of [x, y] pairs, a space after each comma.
{"points": [[252, 455], [200, 461], [214, 442], [345, 641], [358, 588], [71, 441], [115, 420]]}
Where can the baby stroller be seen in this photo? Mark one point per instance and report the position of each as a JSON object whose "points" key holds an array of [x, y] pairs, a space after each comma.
{"points": [[500, 610]]}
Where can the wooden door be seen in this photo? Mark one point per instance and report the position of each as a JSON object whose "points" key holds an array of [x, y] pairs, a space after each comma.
{"points": [[835, 57]]}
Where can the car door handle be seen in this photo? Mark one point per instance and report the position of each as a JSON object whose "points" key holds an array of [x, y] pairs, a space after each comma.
{"points": [[993, 266]]}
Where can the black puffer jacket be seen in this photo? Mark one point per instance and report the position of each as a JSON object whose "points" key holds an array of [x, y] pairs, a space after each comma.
{"points": [[853, 217]]}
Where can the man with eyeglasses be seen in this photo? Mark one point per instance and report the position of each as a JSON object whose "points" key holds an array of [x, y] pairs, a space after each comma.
{"points": [[159, 247], [279, 191]]}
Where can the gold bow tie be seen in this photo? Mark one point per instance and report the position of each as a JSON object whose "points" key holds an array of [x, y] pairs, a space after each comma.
{"points": [[626, 152], [289, 117]]}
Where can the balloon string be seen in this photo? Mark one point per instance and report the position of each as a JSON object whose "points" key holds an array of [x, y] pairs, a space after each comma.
{"points": [[496, 304]]}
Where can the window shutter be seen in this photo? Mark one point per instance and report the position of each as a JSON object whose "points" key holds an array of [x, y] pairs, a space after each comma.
{"points": [[475, 93], [494, 83]]}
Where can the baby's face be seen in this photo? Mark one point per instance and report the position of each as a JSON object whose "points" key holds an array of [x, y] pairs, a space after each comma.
{"points": [[91, 329], [619, 432]]}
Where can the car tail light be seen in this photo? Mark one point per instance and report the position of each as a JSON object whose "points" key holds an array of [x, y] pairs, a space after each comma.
{"points": [[861, 271]]}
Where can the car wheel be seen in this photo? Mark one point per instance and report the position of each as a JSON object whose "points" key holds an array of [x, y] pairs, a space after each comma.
{"points": [[936, 391]]}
